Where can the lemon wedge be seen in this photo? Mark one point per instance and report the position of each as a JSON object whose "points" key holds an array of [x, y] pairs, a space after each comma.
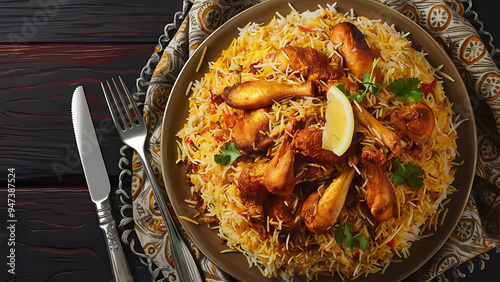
{"points": [[339, 125]]}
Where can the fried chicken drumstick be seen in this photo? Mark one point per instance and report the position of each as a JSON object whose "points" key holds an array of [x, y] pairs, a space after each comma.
{"points": [[352, 46], [380, 195], [320, 212], [260, 93]]}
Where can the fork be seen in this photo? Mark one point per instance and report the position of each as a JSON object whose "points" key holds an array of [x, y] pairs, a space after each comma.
{"points": [[133, 132]]}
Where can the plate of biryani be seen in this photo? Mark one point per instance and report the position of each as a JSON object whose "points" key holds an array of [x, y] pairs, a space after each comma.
{"points": [[319, 140]]}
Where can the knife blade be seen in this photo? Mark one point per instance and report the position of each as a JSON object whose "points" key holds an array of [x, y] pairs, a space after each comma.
{"points": [[97, 181], [88, 148]]}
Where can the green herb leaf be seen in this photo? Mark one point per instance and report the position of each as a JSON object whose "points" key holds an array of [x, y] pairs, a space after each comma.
{"points": [[228, 155], [344, 238], [339, 235], [356, 96], [348, 242], [406, 91], [369, 84], [341, 87], [397, 178], [363, 243], [369, 80], [415, 182], [409, 173]]}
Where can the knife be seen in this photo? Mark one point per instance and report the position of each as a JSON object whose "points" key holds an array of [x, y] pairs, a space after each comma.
{"points": [[98, 182]]}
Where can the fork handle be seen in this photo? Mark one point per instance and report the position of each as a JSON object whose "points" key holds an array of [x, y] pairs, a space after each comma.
{"points": [[119, 266], [185, 264]]}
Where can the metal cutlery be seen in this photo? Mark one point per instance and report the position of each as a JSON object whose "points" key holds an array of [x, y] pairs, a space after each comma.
{"points": [[98, 182], [133, 132]]}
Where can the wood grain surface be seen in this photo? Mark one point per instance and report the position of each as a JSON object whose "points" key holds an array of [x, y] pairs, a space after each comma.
{"points": [[59, 240], [85, 21], [47, 48], [35, 103]]}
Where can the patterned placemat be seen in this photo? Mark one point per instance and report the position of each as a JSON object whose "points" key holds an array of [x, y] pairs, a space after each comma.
{"points": [[478, 229]]}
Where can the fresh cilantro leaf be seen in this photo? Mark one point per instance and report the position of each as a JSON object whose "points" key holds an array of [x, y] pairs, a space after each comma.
{"points": [[369, 80], [410, 173], [412, 82], [228, 155], [341, 87], [339, 235], [415, 182], [357, 96], [348, 242], [397, 178], [373, 87], [344, 238], [369, 84], [398, 85], [416, 95], [406, 91], [363, 243], [414, 169]]}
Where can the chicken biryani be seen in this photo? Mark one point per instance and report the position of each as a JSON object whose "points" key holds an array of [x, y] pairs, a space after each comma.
{"points": [[256, 145]]}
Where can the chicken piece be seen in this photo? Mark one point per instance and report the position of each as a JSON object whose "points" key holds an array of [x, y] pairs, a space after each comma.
{"points": [[373, 155], [415, 121], [380, 196], [381, 133], [279, 177], [320, 212], [250, 184], [260, 93], [308, 143], [251, 132], [357, 54], [309, 62], [282, 211]]}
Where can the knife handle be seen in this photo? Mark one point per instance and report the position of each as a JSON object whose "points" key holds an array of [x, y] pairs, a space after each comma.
{"points": [[119, 266]]}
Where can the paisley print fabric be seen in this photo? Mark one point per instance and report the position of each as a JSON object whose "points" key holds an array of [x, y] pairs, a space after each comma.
{"points": [[479, 227]]}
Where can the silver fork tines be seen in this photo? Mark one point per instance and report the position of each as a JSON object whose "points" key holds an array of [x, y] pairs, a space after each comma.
{"points": [[132, 129], [131, 107]]}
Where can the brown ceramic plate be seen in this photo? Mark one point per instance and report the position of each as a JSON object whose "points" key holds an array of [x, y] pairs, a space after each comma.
{"points": [[176, 112]]}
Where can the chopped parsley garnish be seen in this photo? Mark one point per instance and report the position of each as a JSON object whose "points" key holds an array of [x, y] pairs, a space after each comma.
{"points": [[409, 173], [343, 235], [228, 155], [368, 83], [406, 89]]}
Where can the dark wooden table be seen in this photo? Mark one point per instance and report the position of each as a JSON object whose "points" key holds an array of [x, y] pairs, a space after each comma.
{"points": [[47, 48]]}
